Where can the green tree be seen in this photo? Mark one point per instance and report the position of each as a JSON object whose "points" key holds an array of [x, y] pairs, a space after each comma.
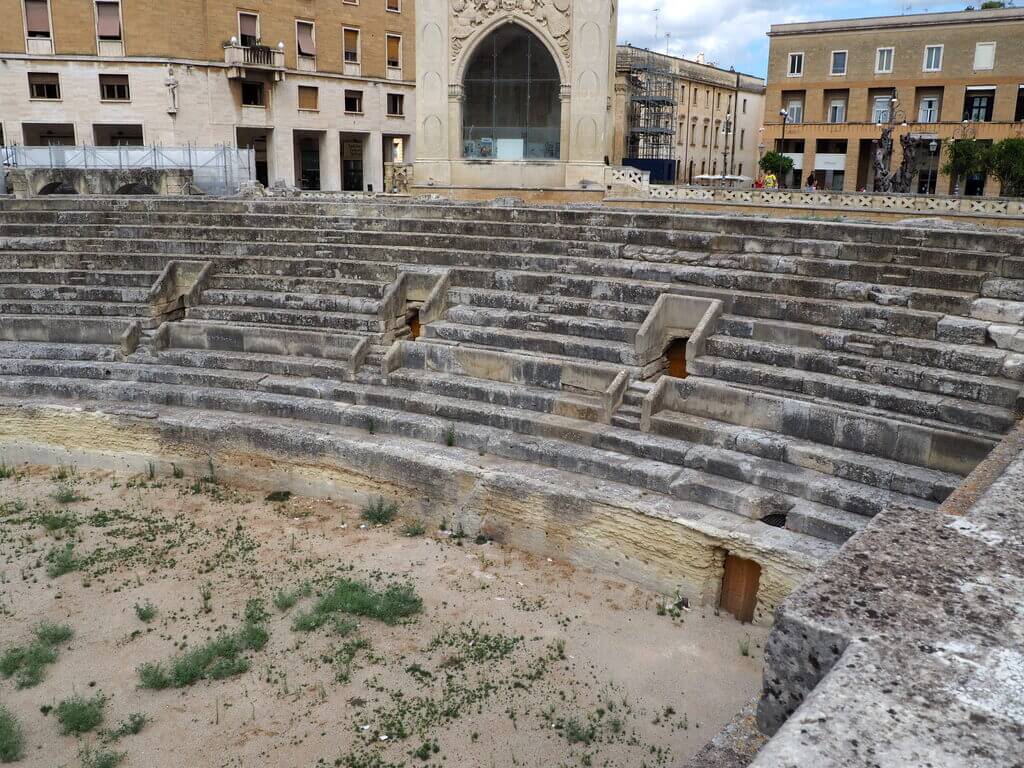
{"points": [[777, 163], [1006, 162], [965, 157]]}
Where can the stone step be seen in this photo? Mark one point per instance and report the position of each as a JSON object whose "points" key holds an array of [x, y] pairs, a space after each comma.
{"points": [[71, 329], [296, 318], [898, 403], [519, 396], [305, 285], [43, 350], [993, 390], [589, 350], [521, 302], [304, 302], [542, 322], [78, 277], [909, 440], [810, 485], [256, 362], [871, 472], [944, 355], [76, 308], [767, 235], [42, 292], [264, 340]]}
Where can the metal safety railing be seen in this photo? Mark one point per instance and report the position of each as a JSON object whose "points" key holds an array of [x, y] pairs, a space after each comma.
{"points": [[215, 170]]}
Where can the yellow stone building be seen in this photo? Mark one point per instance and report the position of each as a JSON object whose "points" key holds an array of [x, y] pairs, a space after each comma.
{"points": [[323, 91], [936, 76]]}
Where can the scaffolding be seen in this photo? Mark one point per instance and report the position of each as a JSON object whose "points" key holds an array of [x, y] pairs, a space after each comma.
{"points": [[650, 142]]}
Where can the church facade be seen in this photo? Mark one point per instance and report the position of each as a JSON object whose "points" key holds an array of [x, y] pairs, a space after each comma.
{"points": [[514, 94]]}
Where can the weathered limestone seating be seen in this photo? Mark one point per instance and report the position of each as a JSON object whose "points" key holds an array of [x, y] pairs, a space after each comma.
{"points": [[835, 369]]}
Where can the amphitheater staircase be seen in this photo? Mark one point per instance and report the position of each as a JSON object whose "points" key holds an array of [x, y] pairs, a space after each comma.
{"points": [[853, 367]]}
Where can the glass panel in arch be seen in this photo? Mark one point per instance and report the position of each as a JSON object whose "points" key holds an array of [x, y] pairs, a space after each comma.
{"points": [[478, 119], [544, 130], [510, 108]]}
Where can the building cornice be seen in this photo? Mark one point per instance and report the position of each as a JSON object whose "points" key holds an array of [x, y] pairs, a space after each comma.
{"points": [[911, 21]]}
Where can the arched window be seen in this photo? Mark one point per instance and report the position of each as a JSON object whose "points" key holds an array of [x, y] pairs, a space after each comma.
{"points": [[513, 109]]}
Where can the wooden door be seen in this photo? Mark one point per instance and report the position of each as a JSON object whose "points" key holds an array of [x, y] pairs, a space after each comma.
{"points": [[739, 587]]}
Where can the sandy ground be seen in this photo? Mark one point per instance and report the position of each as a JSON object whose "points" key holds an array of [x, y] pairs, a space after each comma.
{"points": [[513, 661]]}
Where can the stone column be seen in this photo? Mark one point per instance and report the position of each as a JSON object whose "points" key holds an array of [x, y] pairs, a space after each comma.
{"points": [[434, 150], [283, 150], [373, 162], [330, 161]]}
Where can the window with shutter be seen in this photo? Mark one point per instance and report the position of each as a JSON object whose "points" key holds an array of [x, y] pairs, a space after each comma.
{"points": [[43, 85], [307, 45], [308, 97], [37, 18], [114, 88], [351, 46], [108, 21], [394, 51], [985, 56], [248, 29]]}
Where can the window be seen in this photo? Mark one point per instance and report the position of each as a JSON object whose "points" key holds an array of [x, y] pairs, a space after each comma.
{"points": [[43, 85], [693, 133], [795, 111], [1019, 114], [744, 106], [513, 107], [978, 102], [928, 112], [394, 51], [305, 40], [394, 5], [883, 60], [984, 56], [351, 46], [881, 110], [353, 101], [114, 88], [108, 21], [252, 93], [837, 111], [933, 58], [682, 93], [838, 63], [718, 130], [743, 135], [704, 143], [37, 18], [396, 104], [309, 97], [248, 29], [796, 64]]}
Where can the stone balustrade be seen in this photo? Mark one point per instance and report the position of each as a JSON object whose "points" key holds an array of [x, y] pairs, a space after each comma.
{"points": [[632, 184]]}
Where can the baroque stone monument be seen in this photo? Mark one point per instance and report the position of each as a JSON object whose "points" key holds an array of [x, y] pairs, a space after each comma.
{"points": [[514, 93]]}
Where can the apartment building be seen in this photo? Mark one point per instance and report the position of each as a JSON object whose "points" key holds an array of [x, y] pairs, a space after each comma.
{"points": [[702, 118], [834, 85], [324, 92]]}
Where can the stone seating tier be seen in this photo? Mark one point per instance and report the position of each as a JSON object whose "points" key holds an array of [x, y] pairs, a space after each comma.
{"points": [[851, 367]]}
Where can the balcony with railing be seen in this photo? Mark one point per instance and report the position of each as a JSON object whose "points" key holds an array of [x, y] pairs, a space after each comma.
{"points": [[243, 58]]}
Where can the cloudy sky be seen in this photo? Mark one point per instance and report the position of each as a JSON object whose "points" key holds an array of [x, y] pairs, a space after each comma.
{"points": [[731, 33]]}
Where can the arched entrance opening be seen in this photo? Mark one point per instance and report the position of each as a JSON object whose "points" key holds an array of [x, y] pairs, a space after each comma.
{"points": [[513, 108], [675, 353]]}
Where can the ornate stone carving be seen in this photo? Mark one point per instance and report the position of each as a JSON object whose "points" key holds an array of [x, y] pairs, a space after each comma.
{"points": [[470, 15]]}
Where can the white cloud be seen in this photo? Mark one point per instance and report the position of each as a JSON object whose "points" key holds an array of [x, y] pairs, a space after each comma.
{"points": [[731, 33]]}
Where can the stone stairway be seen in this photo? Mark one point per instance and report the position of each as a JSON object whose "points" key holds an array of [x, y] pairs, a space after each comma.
{"points": [[854, 367]]}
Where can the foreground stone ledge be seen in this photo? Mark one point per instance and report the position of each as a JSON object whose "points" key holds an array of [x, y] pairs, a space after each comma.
{"points": [[650, 539], [908, 648]]}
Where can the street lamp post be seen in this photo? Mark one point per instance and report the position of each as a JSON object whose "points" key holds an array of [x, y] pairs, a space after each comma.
{"points": [[932, 146], [784, 113], [726, 131]]}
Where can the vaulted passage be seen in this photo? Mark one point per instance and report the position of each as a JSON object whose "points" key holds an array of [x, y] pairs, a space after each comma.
{"points": [[676, 355], [513, 109]]}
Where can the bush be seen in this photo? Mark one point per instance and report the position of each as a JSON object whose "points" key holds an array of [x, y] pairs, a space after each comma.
{"points": [[390, 605], [146, 612], [777, 163], [1006, 161], [12, 739], [61, 560], [29, 663], [78, 715], [379, 512], [101, 758]]}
